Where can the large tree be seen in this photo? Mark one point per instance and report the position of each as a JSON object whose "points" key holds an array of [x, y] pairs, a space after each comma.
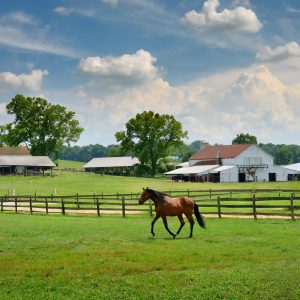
{"points": [[150, 136], [244, 138], [42, 126]]}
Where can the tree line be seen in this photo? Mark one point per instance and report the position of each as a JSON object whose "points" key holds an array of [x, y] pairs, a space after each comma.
{"points": [[49, 129], [283, 154]]}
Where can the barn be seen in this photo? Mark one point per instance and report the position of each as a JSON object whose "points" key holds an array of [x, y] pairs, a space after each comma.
{"points": [[17, 160], [232, 163], [111, 164]]}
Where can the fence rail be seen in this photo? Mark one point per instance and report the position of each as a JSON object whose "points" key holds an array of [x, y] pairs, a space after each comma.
{"points": [[283, 203]]}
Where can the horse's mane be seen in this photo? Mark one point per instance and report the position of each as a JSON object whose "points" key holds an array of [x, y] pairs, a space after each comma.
{"points": [[157, 194]]}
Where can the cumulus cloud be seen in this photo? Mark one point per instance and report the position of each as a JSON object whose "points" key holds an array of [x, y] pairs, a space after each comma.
{"points": [[30, 82], [238, 19], [126, 69], [284, 52], [215, 108]]}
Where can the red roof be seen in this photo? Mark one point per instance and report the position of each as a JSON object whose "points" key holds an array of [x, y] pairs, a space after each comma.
{"points": [[21, 150], [213, 152]]}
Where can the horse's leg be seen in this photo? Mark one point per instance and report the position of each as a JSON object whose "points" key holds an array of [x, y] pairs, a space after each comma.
{"points": [[181, 224], [192, 222], [153, 222], [166, 226]]}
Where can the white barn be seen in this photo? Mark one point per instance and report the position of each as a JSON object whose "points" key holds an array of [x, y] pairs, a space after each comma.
{"points": [[233, 163]]}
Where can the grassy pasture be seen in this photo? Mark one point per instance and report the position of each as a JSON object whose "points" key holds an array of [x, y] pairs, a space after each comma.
{"points": [[67, 183], [55, 257]]}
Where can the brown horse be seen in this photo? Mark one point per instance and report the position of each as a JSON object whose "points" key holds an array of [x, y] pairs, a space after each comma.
{"points": [[167, 206]]}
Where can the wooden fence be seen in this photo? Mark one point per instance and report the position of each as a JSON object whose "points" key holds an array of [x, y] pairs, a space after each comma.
{"points": [[217, 203]]}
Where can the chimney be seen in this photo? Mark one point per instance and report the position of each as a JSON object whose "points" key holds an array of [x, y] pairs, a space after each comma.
{"points": [[219, 160], [204, 144]]}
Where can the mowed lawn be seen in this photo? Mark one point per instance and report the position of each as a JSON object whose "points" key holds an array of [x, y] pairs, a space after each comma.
{"points": [[68, 183], [69, 257]]}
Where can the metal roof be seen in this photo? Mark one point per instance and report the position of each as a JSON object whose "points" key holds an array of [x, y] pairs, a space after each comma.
{"points": [[26, 160], [112, 162], [294, 167], [222, 169], [192, 170], [223, 151]]}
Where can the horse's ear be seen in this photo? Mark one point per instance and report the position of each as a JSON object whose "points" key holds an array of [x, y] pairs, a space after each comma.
{"points": [[147, 188], [144, 189]]}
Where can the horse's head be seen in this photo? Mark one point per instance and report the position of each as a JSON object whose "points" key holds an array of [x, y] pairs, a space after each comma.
{"points": [[145, 196]]}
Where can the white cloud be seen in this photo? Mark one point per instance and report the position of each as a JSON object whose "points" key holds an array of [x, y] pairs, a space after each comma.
{"points": [[238, 19], [280, 53], [66, 11], [61, 10], [293, 10], [113, 3], [18, 17], [122, 70], [21, 31], [215, 108], [29, 82]]}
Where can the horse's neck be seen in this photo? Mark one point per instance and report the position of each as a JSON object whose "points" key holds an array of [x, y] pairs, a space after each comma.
{"points": [[156, 199]]}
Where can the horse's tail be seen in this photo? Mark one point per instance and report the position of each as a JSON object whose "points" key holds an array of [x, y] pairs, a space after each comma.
{"points": [[199, 217]]}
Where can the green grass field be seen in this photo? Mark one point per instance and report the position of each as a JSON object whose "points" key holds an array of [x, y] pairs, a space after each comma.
{"points": [[70, 164], [55, 257], [67, 183]]}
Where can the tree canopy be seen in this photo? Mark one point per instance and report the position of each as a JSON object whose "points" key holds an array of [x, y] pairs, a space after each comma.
{"points": [[245, 138], [150, 136], [42, 126]]}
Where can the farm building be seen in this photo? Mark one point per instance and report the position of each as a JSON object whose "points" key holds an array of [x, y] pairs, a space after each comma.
{"points": [[294, 167], [232, 163], [17, 160], [109, 164]]}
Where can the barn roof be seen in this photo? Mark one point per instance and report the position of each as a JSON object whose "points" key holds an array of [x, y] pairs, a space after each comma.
{"points": [[227, 151], [20, 150], [294, 167], [192, 170], [25, 160], [112, 162]]}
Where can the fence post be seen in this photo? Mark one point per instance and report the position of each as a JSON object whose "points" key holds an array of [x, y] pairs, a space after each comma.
{"points": [[219, 207], [62, 206], [46, 202], [123, 207], [254, 206], [77, 200], [16, 204], [98, 207], [210, 193], [30, 203], [188, 192], [292, 206], [1, 204]]}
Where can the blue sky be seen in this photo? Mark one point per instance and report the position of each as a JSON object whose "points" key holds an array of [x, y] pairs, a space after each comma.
{"points": [[221, 67]]}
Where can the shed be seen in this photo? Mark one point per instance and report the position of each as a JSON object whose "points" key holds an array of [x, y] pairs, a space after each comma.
{"points": [[24, 164], [105, 163]]}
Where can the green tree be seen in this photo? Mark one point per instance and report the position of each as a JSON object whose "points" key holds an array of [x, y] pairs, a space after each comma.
{"points": [[151, 136], [42, 126], [243, 138]]}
